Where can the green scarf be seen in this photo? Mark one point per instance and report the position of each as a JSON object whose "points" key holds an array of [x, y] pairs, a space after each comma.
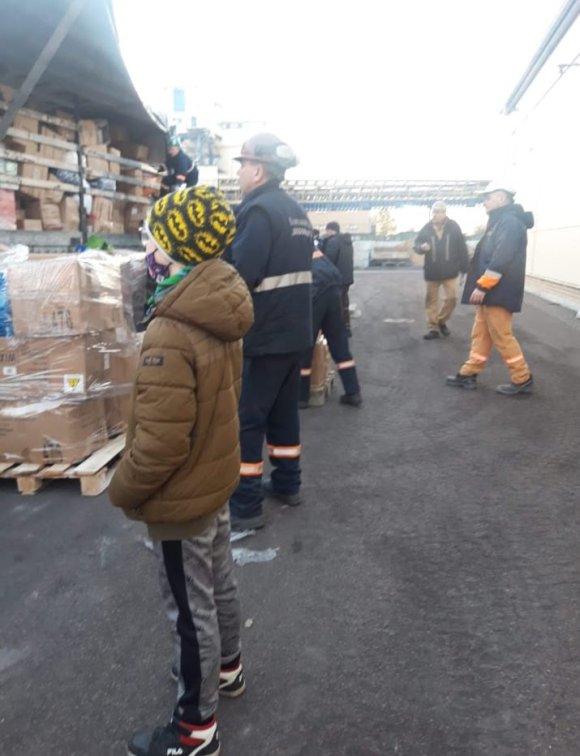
{"points": [[163, 289]]}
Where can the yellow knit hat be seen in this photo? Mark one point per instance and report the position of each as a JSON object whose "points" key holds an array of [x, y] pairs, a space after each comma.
{"points": [[192, 225]]}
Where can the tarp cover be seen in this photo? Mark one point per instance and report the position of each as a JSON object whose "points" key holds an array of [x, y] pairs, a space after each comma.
{"points": [[87, 65]]}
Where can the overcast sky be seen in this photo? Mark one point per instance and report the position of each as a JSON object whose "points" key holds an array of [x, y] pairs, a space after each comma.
{"points": [[412, 89]]}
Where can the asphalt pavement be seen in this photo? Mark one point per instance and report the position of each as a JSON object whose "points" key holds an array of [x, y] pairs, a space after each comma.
{"points": [[423, 601]]}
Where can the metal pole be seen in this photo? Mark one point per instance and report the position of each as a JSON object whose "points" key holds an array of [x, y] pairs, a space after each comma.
{"points": [[81, 167], [41, 64]]}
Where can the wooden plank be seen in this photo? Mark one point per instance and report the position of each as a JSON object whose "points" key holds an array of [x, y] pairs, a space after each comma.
{"points": [[99, 459], [26, 468], [122, 160], [5, 466], [13, 182], [58, 186], [54, 471], [44, 117], [28, 136], [26, 157]]}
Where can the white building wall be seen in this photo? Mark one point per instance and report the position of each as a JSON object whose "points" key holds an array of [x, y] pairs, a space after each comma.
{"points": [[546, 164]]}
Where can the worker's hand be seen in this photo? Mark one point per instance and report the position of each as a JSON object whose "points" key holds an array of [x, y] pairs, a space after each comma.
{"points": [[477, 297], [425, 246]]}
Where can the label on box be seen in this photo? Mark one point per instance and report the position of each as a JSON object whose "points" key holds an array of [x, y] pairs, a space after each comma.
{"points": [[10, 371], [74, 383]]}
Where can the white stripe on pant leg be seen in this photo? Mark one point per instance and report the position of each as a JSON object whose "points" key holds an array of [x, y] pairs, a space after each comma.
{"points": [[284, 452]]}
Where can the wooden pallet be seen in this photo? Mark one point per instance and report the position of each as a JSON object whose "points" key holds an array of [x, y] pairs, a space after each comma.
{"points": [[94, 472]]}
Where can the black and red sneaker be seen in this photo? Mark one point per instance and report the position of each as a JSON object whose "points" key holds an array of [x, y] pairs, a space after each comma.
{"points": [[177, 739]]}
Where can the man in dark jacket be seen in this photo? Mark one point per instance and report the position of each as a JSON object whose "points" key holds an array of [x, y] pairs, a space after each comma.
{"points": [[445, 250], [181, 170], [495, 284], [272, 251], [327, 317], [338, 248]]}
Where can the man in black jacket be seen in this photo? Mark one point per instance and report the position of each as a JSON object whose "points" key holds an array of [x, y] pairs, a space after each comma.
{"points": [[338, 248], [445, 250], [495, 284], [181, 170], [327, 317], [272, 251]]}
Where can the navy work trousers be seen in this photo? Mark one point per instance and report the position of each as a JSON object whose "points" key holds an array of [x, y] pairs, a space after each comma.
{"points": [[327, 316], [268, 409]]}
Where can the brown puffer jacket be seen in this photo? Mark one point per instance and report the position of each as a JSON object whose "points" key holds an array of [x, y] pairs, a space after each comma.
{"points": [[182, 456]]}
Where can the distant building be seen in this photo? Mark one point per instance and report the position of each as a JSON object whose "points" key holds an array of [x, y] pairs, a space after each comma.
{"points": [[544, 164]]}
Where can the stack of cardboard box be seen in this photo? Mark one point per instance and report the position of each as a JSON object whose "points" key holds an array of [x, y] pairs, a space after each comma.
{"points": [[36, 208], [66, 374]]}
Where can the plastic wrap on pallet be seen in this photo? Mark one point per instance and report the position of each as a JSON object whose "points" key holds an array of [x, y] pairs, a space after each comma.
{"points": [[74, 294], [8, 256], [51, 432]]}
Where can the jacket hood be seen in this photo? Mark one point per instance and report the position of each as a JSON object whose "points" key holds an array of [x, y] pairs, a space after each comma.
{"points": [[525, 216], [213, 297]]}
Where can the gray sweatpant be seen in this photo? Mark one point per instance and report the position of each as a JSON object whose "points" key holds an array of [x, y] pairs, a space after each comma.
{"points": [[201, 598]]}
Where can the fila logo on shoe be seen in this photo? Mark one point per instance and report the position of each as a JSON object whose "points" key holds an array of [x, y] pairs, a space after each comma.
{"points": [[175, 752]]}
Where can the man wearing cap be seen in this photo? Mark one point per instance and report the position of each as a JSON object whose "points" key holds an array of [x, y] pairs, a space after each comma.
{"points": [[445, 250], [181, 170], [495, 284], [272, 251]]}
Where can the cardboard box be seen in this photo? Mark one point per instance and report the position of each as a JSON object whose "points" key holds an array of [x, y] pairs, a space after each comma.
{"points": [[117, 413], [134, 217], [48, 151], [25, 123], [69, 213], [7, 210], [134, 189], [98, 166], [53, 196], [102, 215], [52, 432], [45, 367], [133, 151], [89, 133], [37, 173], [65, 295], [114, 167], [29, 224], [68, 132], [47, 212]]}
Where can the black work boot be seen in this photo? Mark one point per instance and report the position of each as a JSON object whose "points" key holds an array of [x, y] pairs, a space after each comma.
{"points": [[462, 381], [513, 389], [444, 330], [290, 499], [354, 400], [431, 335]]}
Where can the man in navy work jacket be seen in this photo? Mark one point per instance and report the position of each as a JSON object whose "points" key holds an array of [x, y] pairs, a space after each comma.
{"points": [[495, 284], [272, 251]]}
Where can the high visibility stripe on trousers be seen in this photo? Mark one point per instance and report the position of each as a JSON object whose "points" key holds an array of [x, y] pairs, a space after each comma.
{"points": [[284, 452], [345, 365], [249, 469]]}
